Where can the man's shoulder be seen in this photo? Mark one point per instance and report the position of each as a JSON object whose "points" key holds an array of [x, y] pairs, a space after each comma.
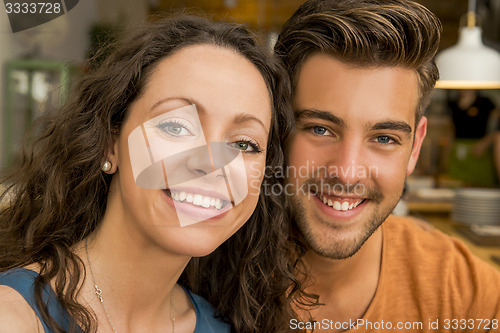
{"points": [[411, 239], [438, 268], [416, 235]]}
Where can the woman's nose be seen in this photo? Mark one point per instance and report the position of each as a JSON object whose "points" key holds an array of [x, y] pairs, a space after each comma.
{"points": [[199, 161]]}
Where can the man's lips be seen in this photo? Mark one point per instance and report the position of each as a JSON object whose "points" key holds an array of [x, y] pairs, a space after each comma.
{"points": [[334, 212], [340, 203]]}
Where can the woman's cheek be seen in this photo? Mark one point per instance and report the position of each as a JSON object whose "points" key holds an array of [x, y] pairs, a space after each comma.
{"points": [[255, 175]]}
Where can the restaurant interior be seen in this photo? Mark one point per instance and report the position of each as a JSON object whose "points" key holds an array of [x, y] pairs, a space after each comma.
{"points": [[456, 186]]}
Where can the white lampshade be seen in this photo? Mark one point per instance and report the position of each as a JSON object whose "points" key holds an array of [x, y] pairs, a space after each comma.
{"points": [[469, 64]]}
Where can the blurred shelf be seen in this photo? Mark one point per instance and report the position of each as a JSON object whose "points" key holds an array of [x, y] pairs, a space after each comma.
{"points": [[444, 223], [25, 80], [430, 206]]}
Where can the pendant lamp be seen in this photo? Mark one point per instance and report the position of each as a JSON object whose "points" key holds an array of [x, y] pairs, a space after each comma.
{"points": [[469, 64]]}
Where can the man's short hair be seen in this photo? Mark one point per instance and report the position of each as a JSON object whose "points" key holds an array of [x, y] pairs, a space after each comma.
{"points": [[365, 33]]}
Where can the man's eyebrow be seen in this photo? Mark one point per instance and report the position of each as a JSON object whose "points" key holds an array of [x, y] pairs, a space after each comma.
{"points": [[392, 125], [318, 114]]}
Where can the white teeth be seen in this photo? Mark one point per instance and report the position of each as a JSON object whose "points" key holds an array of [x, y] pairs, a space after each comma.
{"points": [[197, 199], [218, 204], [338, 205]]}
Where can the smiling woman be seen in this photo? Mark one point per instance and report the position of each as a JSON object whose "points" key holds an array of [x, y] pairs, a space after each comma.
{"points": [[159, 157]]}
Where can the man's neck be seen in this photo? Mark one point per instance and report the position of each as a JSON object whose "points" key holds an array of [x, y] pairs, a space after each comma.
{"points": [[346, 287]]}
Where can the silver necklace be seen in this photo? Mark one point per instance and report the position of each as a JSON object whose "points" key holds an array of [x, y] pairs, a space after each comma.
{"points": [[98, 293]]}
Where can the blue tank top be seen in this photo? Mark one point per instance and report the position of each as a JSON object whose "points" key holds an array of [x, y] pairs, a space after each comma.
{"points": [[22, 280]]}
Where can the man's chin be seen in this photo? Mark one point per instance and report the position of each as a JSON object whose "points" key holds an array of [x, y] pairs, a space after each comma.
{"points": [[337, 243], [338, 247]]}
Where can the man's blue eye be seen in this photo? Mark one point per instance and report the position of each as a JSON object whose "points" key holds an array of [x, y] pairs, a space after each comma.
{"points": [[383, 139], [319, 130]]}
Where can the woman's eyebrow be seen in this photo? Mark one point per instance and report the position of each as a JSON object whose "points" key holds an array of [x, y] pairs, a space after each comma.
{"points": [[238, 119], [164, 100], [245, 117]]}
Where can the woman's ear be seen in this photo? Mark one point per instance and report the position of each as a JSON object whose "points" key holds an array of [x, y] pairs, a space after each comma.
{"points": [[112, 159]]}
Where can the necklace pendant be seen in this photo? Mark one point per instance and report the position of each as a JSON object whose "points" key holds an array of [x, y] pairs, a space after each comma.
{"points": [[98, 292]]}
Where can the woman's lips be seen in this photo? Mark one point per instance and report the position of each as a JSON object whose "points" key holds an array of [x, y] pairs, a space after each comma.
{"points": [[197, 199], [194, 207]]}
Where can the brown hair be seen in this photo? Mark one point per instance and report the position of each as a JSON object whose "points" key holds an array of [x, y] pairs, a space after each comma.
{"points": [[57, 195], [361, 33], [365, 33]]}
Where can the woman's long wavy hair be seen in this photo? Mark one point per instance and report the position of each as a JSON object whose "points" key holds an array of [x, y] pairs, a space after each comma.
{"points": [[57, 195]]}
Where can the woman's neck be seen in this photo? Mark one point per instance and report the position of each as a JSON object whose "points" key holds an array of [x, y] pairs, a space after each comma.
{"points": [[136, 276]]}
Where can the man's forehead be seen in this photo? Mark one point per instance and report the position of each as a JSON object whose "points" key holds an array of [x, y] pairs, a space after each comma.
{"points": [[327, 84]]}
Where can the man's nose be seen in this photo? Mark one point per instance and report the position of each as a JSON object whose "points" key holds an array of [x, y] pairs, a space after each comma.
{"points": [[348, 161]]}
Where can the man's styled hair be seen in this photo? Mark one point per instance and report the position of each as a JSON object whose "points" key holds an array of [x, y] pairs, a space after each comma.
{"points": [[365, 33]]}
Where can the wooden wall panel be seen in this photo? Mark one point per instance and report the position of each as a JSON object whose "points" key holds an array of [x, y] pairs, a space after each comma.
{"points": [[269, 15], [261, 15]]}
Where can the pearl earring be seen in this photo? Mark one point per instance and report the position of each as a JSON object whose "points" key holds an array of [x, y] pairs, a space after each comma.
{"points": [[106, 166]]}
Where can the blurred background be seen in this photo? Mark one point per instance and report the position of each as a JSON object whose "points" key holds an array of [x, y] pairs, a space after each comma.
{"points": [[37, 67], [35, 63]]}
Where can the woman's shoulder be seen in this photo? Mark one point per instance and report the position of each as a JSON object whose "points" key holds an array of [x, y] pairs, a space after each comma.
{"points": [[16, 312], [206, 320], [20, 280], [18, 283]]}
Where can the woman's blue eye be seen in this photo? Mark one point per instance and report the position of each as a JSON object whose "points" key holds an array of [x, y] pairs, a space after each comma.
{"points": [[174, 129]]}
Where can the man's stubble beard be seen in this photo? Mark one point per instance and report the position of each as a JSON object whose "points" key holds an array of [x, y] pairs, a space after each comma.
{"points": [[338, 248]]}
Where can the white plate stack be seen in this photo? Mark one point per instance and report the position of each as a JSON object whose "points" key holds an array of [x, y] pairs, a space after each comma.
{"points": [[476, 206]]}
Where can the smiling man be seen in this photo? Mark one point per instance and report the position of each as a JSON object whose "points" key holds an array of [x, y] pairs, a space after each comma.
{"points": [[363, 72]]}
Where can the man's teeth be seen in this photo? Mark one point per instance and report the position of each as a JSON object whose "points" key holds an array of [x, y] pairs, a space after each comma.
{"points": [[197, 199], [338, 205]]}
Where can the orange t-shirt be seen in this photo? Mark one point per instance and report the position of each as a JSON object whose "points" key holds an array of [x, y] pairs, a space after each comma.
{"points": [[430, 282]]}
